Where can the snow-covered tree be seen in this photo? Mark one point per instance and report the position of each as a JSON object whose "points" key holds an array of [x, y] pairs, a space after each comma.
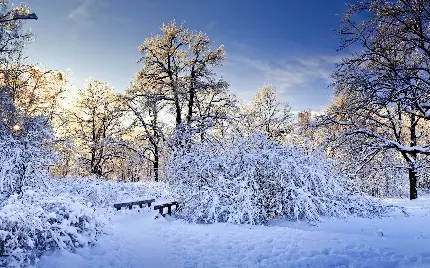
{"points": [[25, 133], [178, 79], [12, 42], [32, 220], [385, 88], [26, 153]]}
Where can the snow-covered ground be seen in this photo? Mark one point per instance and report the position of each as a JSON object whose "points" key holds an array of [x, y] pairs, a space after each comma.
{"points": [[136, 239]]}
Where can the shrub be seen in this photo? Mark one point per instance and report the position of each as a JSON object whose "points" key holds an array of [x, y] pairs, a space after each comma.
{"points": [[255, 180], [34, 222]]}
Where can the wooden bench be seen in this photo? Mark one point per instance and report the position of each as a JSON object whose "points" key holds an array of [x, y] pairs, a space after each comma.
{"points": [[168, 206], [130, 204]]}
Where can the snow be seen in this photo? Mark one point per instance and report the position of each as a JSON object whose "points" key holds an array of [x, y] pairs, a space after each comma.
{"points": [[137, 239]]}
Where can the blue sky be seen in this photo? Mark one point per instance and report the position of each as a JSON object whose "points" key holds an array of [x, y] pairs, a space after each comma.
{"points": [[289, 44]]}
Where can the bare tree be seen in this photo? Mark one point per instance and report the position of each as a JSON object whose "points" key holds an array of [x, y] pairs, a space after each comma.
{"points": [[180, 63], [34, 90], [214, 109], [96, 126], [200, 64], [385, 88], [268, 115], [146, 104], [12, 37]]}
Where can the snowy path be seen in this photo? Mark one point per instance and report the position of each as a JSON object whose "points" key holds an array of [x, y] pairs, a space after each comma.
{"points": [[137, 240]]}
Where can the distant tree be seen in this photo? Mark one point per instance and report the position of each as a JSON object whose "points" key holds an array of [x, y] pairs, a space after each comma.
{"points": [[67, 154], [385, 88], [95, 125], [268, 115], [215, 108], [146, 103], [301, 134], [304, 118], [35, 91]]}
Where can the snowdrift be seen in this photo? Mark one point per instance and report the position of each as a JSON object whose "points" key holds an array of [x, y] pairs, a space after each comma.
{"points": [[102, 193], [255, 180]]}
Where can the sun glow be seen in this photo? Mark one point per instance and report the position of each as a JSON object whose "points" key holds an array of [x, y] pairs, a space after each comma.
{"points": [[16, 127]]}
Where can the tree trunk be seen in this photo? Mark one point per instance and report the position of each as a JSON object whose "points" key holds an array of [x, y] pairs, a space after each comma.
{"points": [[178, 110], [156, 162], [155, 139], [94, 142], [190, 106], [93, 162], [412, 165], [413, 194], [191, 96], [175, 92]]}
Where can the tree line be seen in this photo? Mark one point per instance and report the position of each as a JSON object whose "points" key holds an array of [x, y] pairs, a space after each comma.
{"points": [[375, 128]]}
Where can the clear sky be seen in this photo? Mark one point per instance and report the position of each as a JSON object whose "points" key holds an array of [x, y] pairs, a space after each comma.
{"points": [[290, 44]]}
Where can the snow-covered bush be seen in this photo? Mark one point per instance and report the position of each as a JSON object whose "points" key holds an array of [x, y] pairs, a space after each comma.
{"points": [[104, 193], [255, 180], [25, 154], [35, 221]]}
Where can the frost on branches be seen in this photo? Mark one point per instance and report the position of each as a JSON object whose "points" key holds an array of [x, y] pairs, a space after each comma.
{"points": [[255, 180]]}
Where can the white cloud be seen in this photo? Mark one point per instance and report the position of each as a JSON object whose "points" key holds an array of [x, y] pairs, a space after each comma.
{"points": [[87, 10], [286, 74], [82, 11], [301, 81]]}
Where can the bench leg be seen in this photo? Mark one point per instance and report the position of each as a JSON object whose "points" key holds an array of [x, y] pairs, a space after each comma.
{"points": [[118, 209], [149, 204], [169, 209], [130, 207], [161, 210], [140, 205]]}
